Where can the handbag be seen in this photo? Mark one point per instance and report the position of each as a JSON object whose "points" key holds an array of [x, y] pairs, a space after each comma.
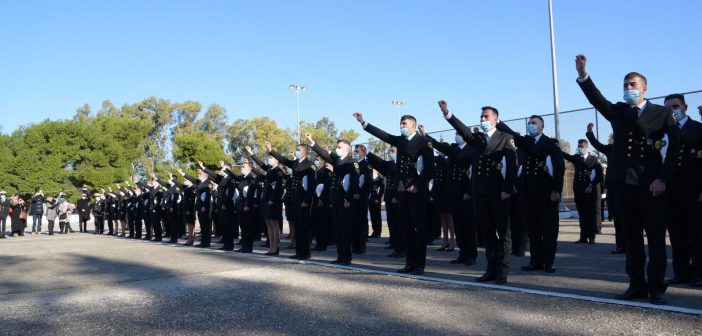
{"points": [[23, 214]]}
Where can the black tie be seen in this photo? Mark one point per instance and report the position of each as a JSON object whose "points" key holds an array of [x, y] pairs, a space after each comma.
{"points": [[636, 112]]}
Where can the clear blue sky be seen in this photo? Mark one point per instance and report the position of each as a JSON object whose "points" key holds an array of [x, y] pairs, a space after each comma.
{"points": [[354, 56]]}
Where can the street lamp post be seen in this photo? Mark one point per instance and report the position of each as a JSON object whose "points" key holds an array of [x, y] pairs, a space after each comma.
{"points": [[554, 73], [298, 89], [398, 104]]}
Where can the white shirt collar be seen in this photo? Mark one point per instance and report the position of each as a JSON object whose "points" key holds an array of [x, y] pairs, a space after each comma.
{"points": [[642, 107], [462, 145], [537, 138], [411, 136], [683, 121], [491, 132]]}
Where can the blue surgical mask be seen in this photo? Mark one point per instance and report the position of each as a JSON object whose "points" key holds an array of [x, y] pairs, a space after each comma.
{"points": [[289, 171], [393, 157], [356, 157], [632, 96], [316, 163], [459, 140], [404, 131], [298, 154], [678, 115], [580, 150], [532, 130], [485, 125], [270, 162]]}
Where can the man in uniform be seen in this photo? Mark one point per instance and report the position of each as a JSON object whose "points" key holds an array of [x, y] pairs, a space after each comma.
{"points": [[640, 131], [365, 183], [413, 173], [586, 187], [388, 168], [302, 188], [684, 209], [493, 174], [543, 184], [344, 187]]}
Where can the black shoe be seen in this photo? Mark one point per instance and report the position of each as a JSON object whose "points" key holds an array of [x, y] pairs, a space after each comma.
{"points": [[532, 267], [657, 298], [488, 276], [359, 251], [406, 269], [289, 247], [336, 261], [158, 239], [294, 256], [591, 241], [581, 241], [459, 260], [632, 294], [518, 253], [203, 245], [548, 268], [374, 235], [244, 250], [277, 252], [470, 261], [389, 247], [618, 250], [319, 249], [226, 248], [188, 244], [501, 279], [696, 283], [304, 257], [676, 281], [418, 271], [173, 242]]}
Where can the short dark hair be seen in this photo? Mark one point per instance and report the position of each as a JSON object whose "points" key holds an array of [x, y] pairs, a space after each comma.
{"points": [[343, 141], [583, 141], [306, 146], [497, 113], [407, 116], [361, 147], [636, 74], [675, 96], [537, 117]]}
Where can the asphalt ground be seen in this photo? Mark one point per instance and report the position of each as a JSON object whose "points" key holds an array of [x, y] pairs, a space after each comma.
{"points": [[85, 284]]}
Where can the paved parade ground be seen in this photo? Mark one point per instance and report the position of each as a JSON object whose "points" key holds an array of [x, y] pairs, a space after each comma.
{"points": [[83, 284]]}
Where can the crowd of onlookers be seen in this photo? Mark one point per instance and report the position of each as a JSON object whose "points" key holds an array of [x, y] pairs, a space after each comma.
{"points": [[21, 206]]}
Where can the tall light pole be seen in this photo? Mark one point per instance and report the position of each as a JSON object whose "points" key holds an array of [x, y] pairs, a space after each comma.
{"points": [[398, 104], [554, 73], [298, 89]]}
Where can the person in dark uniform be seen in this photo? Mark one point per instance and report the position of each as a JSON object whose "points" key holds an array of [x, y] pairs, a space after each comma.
{"points": [[415, 169], [156, 210], [365, 183], [684, 209], [439, 200], [247, 186], [98, 212], [460, 158], [374, 203], [272, 199], [5, 211], [611, 207], [586, 187], [544, 169], [36, 209], [321, 210], [493, 174], [188, 205], [111, 212], [302, 188], [223, 202], [344, 186], [203, 201], [83, 209], [641, 129], [174, 208], [388, 168]]}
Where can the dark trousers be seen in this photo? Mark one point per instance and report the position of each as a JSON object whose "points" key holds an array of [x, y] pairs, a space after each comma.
{"points": [[321, 218], [587, 212], [343, 229], [99, 224], [248, 228], [639, 211], [130, 224], [111, 226], [36, 222], [83, 224], [203, 218], [397, 240], [464, 224], [360, 228], [51, 228], [138, 227], [518, 223], [685, 230], [375, 217], [156, 225], [147, 224], [542, 224], [227, 219], [492, 213], [175, 222], [614, 214], [303, 230], [414, 221]]}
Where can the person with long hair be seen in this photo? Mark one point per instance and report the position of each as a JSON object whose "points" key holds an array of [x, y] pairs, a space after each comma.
{"points": [[271, 199]]}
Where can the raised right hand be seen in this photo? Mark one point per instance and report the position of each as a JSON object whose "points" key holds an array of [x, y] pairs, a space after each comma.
{"points": [[358, 116], [580, 61], [589, 127], [443, 105]]}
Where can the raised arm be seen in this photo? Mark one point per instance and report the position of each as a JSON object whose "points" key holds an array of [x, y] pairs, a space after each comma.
{"points": [[377, 132], [458, 125], [593, 95], [442, 147], [379, 164], [330, 158], [520, 139]]}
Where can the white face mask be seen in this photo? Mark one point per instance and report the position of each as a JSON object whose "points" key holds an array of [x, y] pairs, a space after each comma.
{"points": [[246, 172]]}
